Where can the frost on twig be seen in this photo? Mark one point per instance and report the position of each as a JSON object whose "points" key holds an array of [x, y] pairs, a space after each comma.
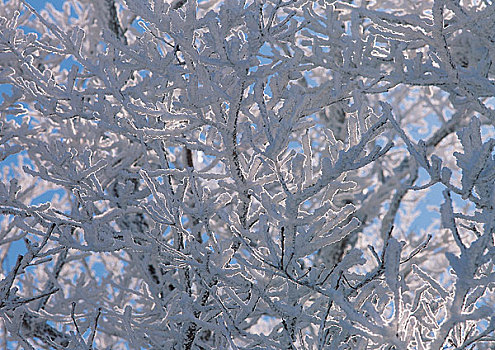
{"points": [[247, 175]]}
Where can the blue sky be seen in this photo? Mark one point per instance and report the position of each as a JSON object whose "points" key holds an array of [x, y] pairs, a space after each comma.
{"points": [[39, 4]]}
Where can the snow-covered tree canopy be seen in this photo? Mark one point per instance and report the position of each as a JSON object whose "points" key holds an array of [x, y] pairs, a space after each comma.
{"points": [[247, 174]]}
